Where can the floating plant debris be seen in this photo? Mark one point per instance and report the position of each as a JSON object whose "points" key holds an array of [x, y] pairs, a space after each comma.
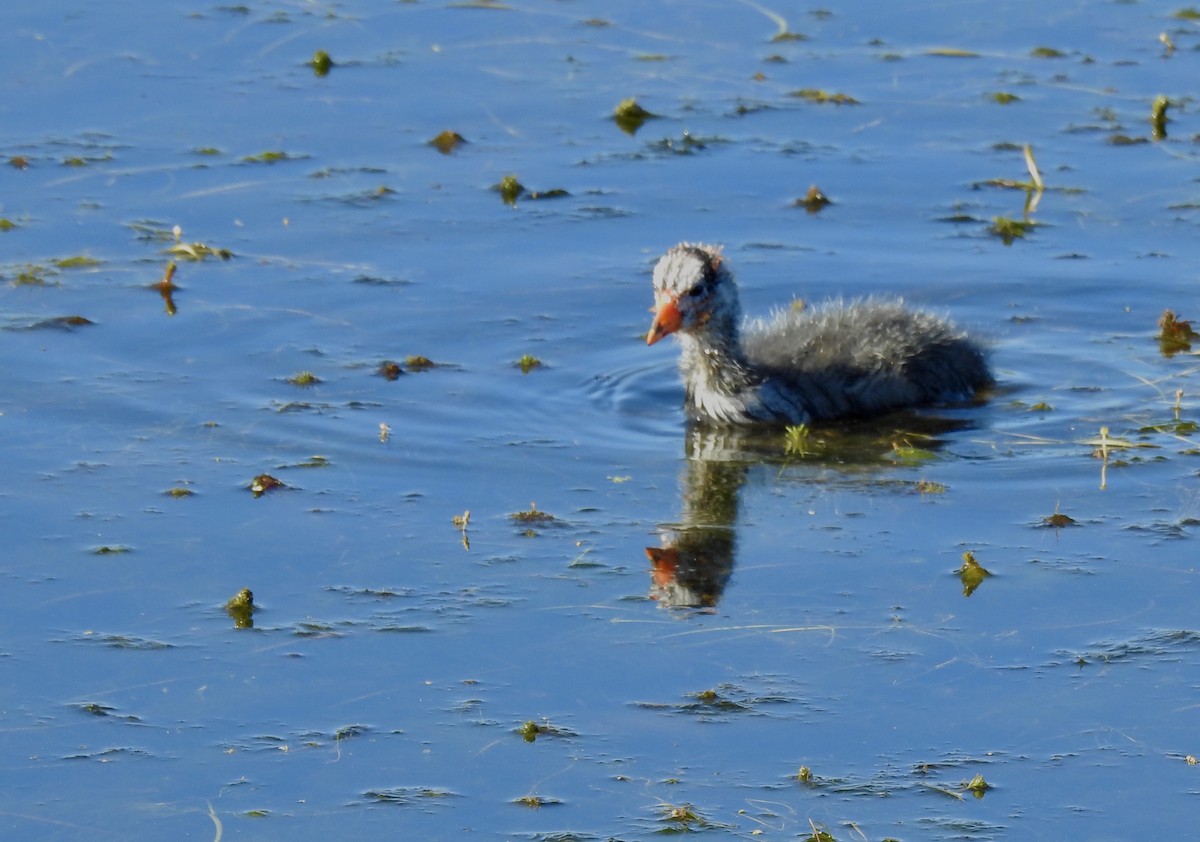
{"points": [[447, 142], [166, 287], [264, 483], [951, 52], [1058, 520], [683, 816], [460, 523], [1047, 52], [321, 63], [531, 730], [509, 189], [1174, 334], [271, 156], [198, 251], [536, 801], [32, 275], [814, 200], [972, 573], [1009, 229], [533, 515], [416, 362], [820, 96], [977, 786], [908, 454], [1003, 98], [629, 116], [389, 370], [81, 261], [1158, 117], [304, 379], [528, 362], [241, 608], [796, 439], [61, 323]]}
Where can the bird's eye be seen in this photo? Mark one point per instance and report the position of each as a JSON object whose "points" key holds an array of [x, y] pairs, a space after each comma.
{"points": [[695, 291]]}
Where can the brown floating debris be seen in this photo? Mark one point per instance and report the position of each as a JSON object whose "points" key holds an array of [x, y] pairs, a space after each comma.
{"points": [[264, 483], [1174, 334]]}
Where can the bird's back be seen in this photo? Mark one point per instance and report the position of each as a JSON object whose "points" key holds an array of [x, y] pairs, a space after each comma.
{"points": [[865, 357]]}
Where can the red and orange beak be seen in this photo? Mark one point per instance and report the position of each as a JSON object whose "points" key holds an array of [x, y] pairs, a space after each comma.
{"points": [[667, 319]]}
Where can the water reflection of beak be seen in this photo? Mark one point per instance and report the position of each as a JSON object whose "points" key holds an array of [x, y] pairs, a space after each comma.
{"points": [[664, 563]]}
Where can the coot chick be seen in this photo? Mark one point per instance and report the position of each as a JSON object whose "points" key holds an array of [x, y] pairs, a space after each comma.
{"points": [[838, 361]]}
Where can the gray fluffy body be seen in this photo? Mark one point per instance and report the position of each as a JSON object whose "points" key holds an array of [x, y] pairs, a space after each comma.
{"points": [[838, 360]]}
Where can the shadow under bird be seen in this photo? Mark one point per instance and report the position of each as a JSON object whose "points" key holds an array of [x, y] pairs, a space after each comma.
{"points": [[835, 361]]}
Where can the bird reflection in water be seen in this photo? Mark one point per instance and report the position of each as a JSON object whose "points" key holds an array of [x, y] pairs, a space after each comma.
{"points": [[697, 555]]}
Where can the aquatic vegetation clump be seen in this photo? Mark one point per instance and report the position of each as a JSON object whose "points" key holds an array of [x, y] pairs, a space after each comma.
{"points": [[263, 483], [509, 188], [1158, 118], [447, 141], [972, 573], [1175, 335], [416, 362], [528, 362], [1058, 520], [389, 370], [530, 730], [533, 515], [1009, 229], [977, 786], [198, 251], [32, 275], [630, 116], [321, 63], [682, 816], [460, 523], [241, 608], [820, 96], [271, 156], [304, 379], [796, 439], [79, 261], [814, 200]]}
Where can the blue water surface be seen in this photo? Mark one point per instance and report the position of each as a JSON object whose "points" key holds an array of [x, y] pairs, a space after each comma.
{"points": [[538, 678]]}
